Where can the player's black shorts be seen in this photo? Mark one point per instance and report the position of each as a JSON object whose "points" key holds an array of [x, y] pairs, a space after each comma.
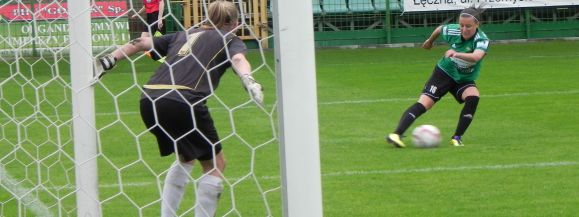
{"points": [[440, 83], [152, 22], [192, 137]]}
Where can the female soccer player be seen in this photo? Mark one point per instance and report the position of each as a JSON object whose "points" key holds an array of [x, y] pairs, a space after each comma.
{"points": [[173, 103], [154, 10], [456, 73]]}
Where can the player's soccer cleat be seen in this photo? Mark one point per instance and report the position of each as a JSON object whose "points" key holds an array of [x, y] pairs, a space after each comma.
{"points": [[158, 34], [395, 140], [456, 141]]}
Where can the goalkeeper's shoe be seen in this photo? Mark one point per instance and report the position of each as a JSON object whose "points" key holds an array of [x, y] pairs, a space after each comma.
{"points": [[395, 140], [456, 141]]}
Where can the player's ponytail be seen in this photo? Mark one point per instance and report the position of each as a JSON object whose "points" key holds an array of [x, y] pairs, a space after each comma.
{"points": [[474, 12]]}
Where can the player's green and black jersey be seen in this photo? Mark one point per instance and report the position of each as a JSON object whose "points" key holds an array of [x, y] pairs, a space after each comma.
{"points": [[462, 71]]}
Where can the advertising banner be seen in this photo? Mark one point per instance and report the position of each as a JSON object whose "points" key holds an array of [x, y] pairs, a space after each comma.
{"points": [[50, 29], [21, 12], [442, 5]]}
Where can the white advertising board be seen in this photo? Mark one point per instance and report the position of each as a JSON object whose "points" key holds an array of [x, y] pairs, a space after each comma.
{"points": [[443, 5]]}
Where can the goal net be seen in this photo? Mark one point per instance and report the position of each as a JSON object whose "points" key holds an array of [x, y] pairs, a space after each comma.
{"points": [[41, 108]]}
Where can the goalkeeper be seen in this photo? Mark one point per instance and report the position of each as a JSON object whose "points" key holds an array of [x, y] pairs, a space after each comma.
{"points": [[173, 103], [455, 72]]}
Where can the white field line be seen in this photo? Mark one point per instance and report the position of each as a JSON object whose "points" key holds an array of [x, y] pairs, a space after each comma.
{"points": [[431, 61], [25, 196], [400, 171], [368, 101]]}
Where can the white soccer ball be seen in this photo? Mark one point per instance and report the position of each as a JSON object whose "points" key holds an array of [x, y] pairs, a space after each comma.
{"points": [[426, 136]]}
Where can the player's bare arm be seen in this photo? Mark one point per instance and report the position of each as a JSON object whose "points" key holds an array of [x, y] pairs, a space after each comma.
{"points": [[243, 70], [134, 46], [138, 13], [161, 9], [471, 57], [108, 62], [430, 41], [240, 65]]}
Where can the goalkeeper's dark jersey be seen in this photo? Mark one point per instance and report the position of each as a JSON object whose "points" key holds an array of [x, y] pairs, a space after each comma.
{"points": [[462, 71], [195, 60]]}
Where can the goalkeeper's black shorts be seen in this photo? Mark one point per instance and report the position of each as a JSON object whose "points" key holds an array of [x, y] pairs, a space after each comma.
{"points": [[440, 83], [194, 138]]}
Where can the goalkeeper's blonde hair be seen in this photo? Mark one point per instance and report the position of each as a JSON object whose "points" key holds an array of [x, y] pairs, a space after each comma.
{"points": [[222, 14]]}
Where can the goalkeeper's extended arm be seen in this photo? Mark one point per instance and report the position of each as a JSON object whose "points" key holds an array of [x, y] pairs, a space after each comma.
{"points": [[109, 61], [243, 69]]}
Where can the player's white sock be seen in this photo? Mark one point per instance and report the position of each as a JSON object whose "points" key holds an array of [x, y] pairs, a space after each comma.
{"points": [[177, 178], [209, 189]]}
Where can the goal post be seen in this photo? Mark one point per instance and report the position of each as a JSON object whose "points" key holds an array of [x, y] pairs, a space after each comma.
{"points": [[84, 131], [296, 85]]}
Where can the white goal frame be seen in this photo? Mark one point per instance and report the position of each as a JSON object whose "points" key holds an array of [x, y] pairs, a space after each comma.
{"points": [[296, 85], [84, 130]]}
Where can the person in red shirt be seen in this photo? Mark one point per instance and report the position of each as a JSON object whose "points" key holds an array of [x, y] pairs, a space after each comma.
{"points": [[154, 10]]}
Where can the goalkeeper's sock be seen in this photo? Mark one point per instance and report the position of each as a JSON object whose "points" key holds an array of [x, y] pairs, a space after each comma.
{"points": [[409, 116], [466, 115], [208, 192], [177, 178]]}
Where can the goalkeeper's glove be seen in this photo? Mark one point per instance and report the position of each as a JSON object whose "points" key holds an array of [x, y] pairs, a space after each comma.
{"points": [[103, 64], [254, 89], [107, 62]]}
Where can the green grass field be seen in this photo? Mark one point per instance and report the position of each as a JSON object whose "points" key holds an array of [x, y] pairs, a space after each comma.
{"points": [[521, 156]]}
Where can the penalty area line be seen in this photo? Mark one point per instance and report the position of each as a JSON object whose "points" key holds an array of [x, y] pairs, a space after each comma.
{"points": [[401, 171], [444, 169], [361, 101], [367, 101]]}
